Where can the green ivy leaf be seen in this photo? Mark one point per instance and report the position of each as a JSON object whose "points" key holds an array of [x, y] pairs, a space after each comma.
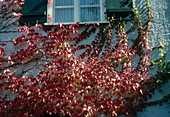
{"points": [[153, 62]]}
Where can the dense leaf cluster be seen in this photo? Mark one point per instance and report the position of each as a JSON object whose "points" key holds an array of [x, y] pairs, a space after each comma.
{"points": [[95, 82]]}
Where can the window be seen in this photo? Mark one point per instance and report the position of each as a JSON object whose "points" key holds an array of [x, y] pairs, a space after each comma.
{"points": [[72, 11]]}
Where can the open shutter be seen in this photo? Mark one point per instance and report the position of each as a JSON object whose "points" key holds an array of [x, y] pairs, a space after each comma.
{"points": [[34, 11], [120, 9]]}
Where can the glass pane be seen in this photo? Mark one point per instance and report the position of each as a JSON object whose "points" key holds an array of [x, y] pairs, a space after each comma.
{"points": [[64, 2], [64, 15], [90, 14], [89, 2]]}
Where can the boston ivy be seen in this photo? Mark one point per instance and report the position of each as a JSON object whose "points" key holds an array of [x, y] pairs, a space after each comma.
{"points": [[95, 82]]}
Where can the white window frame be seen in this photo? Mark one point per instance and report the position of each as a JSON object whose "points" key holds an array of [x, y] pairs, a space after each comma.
{"points": [[77, 7]]}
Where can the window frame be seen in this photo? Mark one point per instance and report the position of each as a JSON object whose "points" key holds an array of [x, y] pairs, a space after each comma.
{"points": [[51, 12]]}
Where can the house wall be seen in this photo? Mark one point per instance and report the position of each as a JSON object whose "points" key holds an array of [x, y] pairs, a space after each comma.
{"points": [[160, 31]]}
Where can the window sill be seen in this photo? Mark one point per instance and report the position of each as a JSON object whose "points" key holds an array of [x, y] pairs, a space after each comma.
{"points": [[81, 23]]}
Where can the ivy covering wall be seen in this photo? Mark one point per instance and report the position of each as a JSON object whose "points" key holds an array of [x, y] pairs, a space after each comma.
{"points": [[159, 36]]}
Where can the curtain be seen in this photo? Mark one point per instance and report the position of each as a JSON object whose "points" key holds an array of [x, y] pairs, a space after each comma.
{"points": [[64, 14], [88, 12], [64, 2], [89, 2]]}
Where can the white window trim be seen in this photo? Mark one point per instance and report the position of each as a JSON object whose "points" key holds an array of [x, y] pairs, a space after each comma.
{"points": [[51, 12]]}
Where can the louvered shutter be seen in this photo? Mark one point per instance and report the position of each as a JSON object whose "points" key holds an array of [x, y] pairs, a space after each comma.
{"points": [[119, 9], [34, 11]]}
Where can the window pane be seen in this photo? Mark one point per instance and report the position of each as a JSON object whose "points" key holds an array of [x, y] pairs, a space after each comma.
{"points": [[64, 15], [64, 2], [90, 14], [89, 2]]}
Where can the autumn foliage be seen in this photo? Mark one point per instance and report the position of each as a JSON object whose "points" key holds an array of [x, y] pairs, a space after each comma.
{"points": [[66, 83]]}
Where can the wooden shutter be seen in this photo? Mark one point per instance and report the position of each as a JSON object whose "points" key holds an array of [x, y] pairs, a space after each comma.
{"points": [[120, 9], [34, 11]]}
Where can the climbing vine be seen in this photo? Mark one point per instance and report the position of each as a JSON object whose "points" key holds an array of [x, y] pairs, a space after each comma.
{"points": [[102, 79]]}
